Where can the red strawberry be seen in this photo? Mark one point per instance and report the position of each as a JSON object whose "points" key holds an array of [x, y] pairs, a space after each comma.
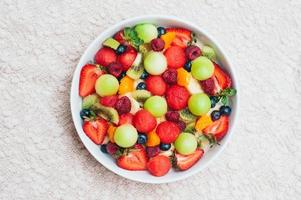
{"points": [[168, 131], [208, 86], [184, 162], [156, 85], [88, 76], [177, 97], [175, 57], [222, 77], [105, 56], [127, 58], [125, 119], [109, 101], [183, 36], [135, 159], [159, 165], [120, 37], [218, 128], [144, 121], [96, 130]]}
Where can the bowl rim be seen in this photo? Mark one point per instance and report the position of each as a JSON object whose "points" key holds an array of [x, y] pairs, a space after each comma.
{"points": [[148, 18]]}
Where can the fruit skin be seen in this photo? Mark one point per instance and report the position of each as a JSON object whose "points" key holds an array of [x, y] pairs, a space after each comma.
{"points": [[111, 131], [225, 110], [88, 77], [105, 56], [109, 101], [177, 97], [218, 128], [136, 159], [164, 146], [183, 77], [203, 122], [125, 135], [108, 80], [156, 105], [182, 36], [144, 75], [202, 68], [175, 57], [222, 77], [126, 85], [103, 148], [170, 76], [123, 105], [152, 151], [115, 69], [155, 63], [187, 66], [192, 52], [186, 143], [184, 162], [96, 130], [120, 49], [141, 86], [215, 115], [127, 58], [146, 32], [159, 165], [156, 85], [208, 86], [199, 104], [157, 44], [214, 100], [142, 138], [126, 119], [161, 31], [144, 121], [167, 131]]}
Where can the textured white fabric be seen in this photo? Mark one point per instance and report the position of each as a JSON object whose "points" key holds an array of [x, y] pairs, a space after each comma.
{"points": [[41, 156]]}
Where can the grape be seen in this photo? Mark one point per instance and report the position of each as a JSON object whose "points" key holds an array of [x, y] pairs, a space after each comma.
{"points": [[155, 63], [199, 104], [125, 135], [156, 105], [186, 143], [106, 85], [146, 32], [202, 68]]}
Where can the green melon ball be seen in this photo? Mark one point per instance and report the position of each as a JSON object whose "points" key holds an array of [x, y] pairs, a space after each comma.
{"points": [[186, 143], [155, 63], [156, 105], [199, 104], [106, 85], [146, 32], [125, 135], [202, 68]]}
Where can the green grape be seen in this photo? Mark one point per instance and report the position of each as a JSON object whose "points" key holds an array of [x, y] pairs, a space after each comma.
{"points": [[202, 68], [156, 105], [186, 143], [106, 85], [199, 104], [155, 63], [125, 135], [146, 32]]}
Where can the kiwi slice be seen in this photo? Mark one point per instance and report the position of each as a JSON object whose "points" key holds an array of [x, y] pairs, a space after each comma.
{"points": [[187, 116], [89, 101], [107, 113], [112, 43], [145, 48], [141, 95], [190, 127], [208, 52], [136, 70]]}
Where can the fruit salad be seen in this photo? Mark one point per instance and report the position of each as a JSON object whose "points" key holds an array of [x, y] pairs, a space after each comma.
{"points": [[155, 98]]}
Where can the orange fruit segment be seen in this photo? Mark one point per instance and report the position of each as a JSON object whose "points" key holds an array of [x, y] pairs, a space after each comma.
{"points": [[126, 85], [152, 139], [183, 77], [111, 131], [203, 122], [168, 38]]}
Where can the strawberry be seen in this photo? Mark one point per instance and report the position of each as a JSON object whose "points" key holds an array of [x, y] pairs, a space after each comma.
{"points": [[125, 119], [159, 165], [218, 128], [144, 122], [88, 76], [105, 56], [119, 36], [182, 38], [135, 159], [177, 97], [109, 101], [222, 77], [127, 58], [184, 162], [96, 130], [168, 131], [175, 57], [156, 85]]}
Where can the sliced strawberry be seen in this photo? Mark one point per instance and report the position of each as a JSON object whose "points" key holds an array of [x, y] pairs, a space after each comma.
{"points": [[222, 77], [184, 162], [175, 57], [135, 159], [120, 37], [105, 56], [126, 119], [109, 101], [218, 128], [127, 58], [182, 38], [159, 165], [96, 130], [88, 76]]}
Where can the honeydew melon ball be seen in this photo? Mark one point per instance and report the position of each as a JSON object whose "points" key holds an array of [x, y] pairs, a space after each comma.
{"points": [[156, 105], [106, 85], [199, 104], [146, 32], [125, 135], [155, 63], [186, 143], [202, 68]]}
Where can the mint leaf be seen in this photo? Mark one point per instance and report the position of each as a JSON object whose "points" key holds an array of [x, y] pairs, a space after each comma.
{"points": [[224, 100], [229, 92], [132, 37]]}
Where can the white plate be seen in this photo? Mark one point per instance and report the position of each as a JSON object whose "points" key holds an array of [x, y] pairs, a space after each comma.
{"points": [[76, 100]]}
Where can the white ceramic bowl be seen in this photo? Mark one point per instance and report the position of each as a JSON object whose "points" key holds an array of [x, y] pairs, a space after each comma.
{"points": [[76, 101]]}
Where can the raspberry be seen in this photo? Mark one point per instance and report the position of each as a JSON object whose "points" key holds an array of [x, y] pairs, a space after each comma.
{"points": [[109, 101], [123, 105], [177, 97], [157, 44], [111, 148], [181, 125], [208, 86], [170, 76], [152, 151], [115, 69], [144, 122], [192, 52], [172, 116], [168, 132], [156, 85]]}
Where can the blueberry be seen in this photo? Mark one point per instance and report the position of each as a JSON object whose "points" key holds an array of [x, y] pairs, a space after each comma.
{"points": [[85, 113], [121, 75], [214, 101], [225, 110], [120, 49], [164, 147], [161, 31], [141, 86], [141, 139], [187, 66], [103, 148], [144, 75], [215, 115]]}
